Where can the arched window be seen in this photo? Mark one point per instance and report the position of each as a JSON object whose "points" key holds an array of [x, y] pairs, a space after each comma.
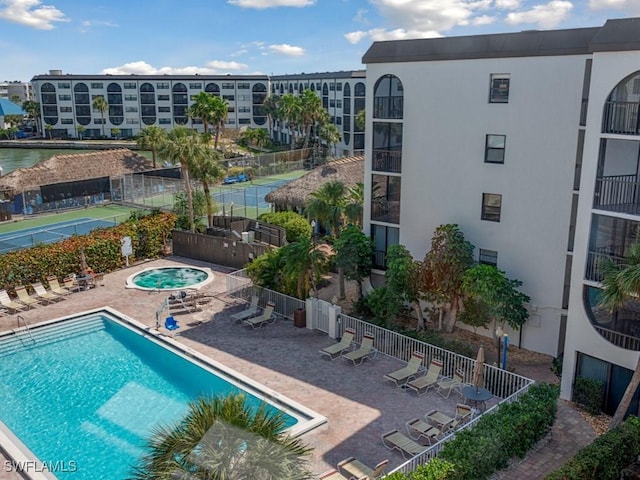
{"points": [[147, 104], [49, 103], [359, 89], [180, 103], [622, 109], [259, 91], [114, 99], [388, 97], [213, 89], [347, 90], [82, 102]]}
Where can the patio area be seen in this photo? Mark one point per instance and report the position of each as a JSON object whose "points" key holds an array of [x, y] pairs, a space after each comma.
{"points": [[358, 404]]}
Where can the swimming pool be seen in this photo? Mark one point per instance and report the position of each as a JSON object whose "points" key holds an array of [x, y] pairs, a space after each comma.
{"points": [[83, 393], [170, 278]]}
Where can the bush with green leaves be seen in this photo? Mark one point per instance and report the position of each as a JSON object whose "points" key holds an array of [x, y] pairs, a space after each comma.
{"points": [[478, 452], [295, 225], [605, 458], [436, 469], [589, 393]]}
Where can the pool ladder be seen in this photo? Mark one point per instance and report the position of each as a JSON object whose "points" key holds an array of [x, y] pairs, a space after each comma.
{"points": [[26, 327]]}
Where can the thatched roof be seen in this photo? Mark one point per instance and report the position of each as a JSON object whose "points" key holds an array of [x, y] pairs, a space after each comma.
{"points": [[79, 166], [295, 194]]}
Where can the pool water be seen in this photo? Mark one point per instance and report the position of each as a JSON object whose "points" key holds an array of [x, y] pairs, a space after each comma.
{"points": [[170, 278], [89, 399]]}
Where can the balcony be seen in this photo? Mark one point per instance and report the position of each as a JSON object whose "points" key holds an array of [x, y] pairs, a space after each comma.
{"points": [[595, 265], [622, 118], [621, 328], [387, 161], [383, 210], [617, 193]]}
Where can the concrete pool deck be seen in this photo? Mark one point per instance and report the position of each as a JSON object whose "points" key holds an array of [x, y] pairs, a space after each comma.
{"points": [[358, 404]]}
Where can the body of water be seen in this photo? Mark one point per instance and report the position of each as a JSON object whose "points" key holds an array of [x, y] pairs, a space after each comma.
{"points": [[14, 158]]}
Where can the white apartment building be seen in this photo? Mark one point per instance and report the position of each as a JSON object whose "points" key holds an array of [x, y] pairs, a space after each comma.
{"points": [[343, 96], [21, 90], [530, 142], [137, 101]]}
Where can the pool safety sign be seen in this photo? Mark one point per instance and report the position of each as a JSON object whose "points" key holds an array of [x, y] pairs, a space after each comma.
{"points": [[126, 248]]}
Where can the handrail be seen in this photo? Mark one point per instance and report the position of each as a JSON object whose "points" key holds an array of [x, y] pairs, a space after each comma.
{"points": [[26, 326]]}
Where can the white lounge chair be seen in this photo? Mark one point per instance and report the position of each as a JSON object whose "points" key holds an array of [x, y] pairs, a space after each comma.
{"points": [[251, 311], [9, 304], [395, 440], [356, 469], [42, 293], [423, 384], [266, 317], [403, 375], [344, 345], [447, 385], [366, 350], [25, 298]]}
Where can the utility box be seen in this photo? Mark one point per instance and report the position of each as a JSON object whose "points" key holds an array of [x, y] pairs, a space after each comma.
{"points": [[248, 237]]}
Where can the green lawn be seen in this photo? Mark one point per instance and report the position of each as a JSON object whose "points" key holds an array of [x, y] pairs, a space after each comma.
{"points": [[113, 213]]}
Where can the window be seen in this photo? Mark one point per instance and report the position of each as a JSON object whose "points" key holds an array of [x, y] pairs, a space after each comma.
{"points": [[339, 86], [491, 206], [332, 87], [130, 85], [332, 103], [130, 98], [229, 98], [339, 103], [96, 85], [164, 121], [131, 109], [499, 89], [244, 98], [66, 121], [195, 86], [244, 109], [65, 110], [132, 121], [64, 85], [228, 86], [64, 98], [488, 257], [244, 121], [243, 86], [163, 98], [162, 85], [383, 237], [99, 121], [494, 148], [164, 109]]}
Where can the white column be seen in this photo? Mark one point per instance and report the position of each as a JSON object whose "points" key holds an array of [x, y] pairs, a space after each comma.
{"points": [[334, 326]]}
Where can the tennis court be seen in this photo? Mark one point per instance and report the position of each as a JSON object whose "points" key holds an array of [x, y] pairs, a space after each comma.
{"points": [[53, 232]]}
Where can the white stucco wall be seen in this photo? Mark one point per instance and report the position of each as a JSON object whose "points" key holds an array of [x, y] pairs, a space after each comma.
{"points": [[446, 118]]}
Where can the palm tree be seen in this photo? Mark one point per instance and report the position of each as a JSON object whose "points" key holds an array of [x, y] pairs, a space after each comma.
{"points": [[203, 108], [151, 138], [311, 111], [207, 168], [181, 146], [327, 205], [355, 204], [33, 109], [304, 263], [224, 438], [270, 108], [621, 283], [101, 105], [49, 128], [218, 115], [330, 134], [289, 108]]}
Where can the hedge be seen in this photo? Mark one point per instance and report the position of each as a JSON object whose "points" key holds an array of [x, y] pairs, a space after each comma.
{"points": [[102, 250], [606, 457], [511, 431]]}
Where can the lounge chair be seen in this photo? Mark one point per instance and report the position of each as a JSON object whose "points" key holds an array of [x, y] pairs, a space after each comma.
{"points": [[25, 298], [9, 304], [446, 385], [422, 384], [55, 287], [463, 415], [418, 429], [71, 284], [266, 317], [251, 311], [394, 440], [45, 295], [345, 344], [366, 350], [170, 324], [403, 375], [333, 474], [439, 420], [356, 469]]}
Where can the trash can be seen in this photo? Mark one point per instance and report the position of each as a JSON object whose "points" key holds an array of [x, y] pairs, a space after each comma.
{"points": [[300, 318]]}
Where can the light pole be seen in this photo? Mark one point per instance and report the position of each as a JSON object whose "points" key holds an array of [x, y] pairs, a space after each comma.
{"points": [[499, 334]]}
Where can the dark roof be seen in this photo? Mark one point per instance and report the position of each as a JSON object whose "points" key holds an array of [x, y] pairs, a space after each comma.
{"points": [[322, 75], [614, 35], [132, 77]]}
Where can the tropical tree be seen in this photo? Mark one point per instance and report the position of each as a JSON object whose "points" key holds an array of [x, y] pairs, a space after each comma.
{"points": [[304, 263], [403, 279], [270, 108], [49, 128], [353, 250], [327, 205], [115, 133], [152, 138], [361, 119], [203, 108], [218, 115], [33, 109], [206, 166], [289, 110], [330, 134], [354, 204], [621, 284], [311, 112], [101, 105], [81, 129], [181, 209], [224, 438], [442, 271], [259, 137], [266, 270], [12, 132], [180, 147]]}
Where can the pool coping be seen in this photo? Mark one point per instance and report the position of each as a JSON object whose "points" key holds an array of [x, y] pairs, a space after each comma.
{"points": [[19, 453], [197, 286]]}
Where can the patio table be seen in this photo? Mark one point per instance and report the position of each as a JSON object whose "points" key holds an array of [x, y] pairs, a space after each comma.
{"points": [[476, 395]]}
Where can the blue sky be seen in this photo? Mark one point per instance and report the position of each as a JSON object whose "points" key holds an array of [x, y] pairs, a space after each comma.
{"points": [[254, 36]]}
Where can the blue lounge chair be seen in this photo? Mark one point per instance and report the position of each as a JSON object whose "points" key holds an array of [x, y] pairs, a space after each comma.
{"points": [[171, 324]]}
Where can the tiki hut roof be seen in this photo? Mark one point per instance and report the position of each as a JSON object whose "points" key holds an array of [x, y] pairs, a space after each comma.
{"points": [[295, 194], [80, 166]]}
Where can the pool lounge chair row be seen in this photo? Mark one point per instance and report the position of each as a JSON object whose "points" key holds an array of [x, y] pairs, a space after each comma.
{"points": [[345, 348], [41, 295], [408, 377], [351, 468]]}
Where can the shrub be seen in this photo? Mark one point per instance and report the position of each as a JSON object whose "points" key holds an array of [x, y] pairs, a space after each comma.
{"points": [[605, 457], [296, 226], [436, 469], [589, 392], [496, 438]]}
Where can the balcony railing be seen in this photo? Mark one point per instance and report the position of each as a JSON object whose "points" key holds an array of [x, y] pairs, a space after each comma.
{"points": [[383, 210], [380, 259], [387, 161], [618, 193], [595, 265], [622, 118], [621, 340]]}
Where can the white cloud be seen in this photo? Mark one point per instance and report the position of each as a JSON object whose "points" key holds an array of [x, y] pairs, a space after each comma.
{"points": [[143, 68], [361, 16], [631, 7], [87, 25], [545, 16], [483, 20], [242, 51], [31, 14], [288, 50], [355, 37], [507, 4], [262, 4]]}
